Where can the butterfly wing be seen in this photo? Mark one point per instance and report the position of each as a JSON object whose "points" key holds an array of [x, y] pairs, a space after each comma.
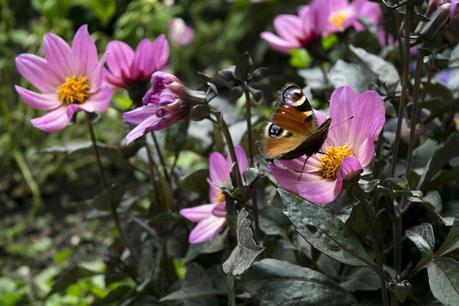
{"points": [[292, 123]]}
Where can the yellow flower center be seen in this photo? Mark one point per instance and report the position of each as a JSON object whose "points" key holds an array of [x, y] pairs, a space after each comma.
{"points": [[219, 197], [332, 160], [338, 18], [75, 90]]}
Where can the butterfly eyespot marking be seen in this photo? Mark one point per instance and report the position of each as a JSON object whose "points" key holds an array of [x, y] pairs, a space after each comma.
{"points": [[275, 131]]}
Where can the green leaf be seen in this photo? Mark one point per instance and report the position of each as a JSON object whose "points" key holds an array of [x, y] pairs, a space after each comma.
{"points": [[439, 159], [329, 41], [197, 288], [246, 250], [444, 280], [300, 58], [354, 75], [69, 277], [423, 238], [274, 282], [325, 232], [103, 9], [451, 242], [385, 71], [112, 194]]}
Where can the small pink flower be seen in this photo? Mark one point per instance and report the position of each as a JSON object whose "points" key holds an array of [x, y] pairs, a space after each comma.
{"points": [[70, 79], [179, 33], [211, 218], [163, 105], [349, 148], [339, 15], [126, 66], [294, 31]]}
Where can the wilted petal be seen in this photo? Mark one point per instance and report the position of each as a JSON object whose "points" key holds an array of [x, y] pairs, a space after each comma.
{"points": [[207, 229], [36, 70], [38, 101], [139, 114], [84, 51], [198, 213], [147, 125], [53, 121]]}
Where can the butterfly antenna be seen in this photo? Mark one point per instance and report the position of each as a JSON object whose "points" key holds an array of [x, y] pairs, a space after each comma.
{"points": [[304, 166], [342, 122]]}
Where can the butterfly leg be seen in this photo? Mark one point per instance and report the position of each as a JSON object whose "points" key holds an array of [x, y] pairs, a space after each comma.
{"points": [[304, 165]]}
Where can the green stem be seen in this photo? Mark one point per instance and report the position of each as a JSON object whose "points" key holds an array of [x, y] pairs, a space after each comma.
{"points": [[404, 95], [414, 112], [373, 229], [248, 116], [397, 236], [160, 156], [154, 178]]}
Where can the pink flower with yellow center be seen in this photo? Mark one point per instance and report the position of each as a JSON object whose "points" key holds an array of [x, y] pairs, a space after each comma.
{"points": [[211, 218], [69, 79], [357, 121], [126, 66], [339, 15], [180, 33]]}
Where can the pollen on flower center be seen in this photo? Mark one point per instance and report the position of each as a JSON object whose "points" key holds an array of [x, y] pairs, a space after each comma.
{"points": [[332, 160], [338, 18], [219, 197], [75, 90]]}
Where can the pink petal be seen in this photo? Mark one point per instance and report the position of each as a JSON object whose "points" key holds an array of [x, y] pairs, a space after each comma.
{"points": [[289, 27], [99, 102], [341, 110], [140, 130], [219, 168], [219, 210], [38, 101], [84, 51], [59, 56], [241, 159], [119, 58], [139, 114], [368, 10], [198, 213], [349, 168], [280, 44], [207, 229], [318, 190], [161, 52], [312, 165], [53, 121], [36, 70]]}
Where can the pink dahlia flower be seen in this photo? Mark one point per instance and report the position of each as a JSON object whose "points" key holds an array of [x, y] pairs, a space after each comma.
{"points": [[163, 106], [69, 79], [294, 31], [179, 33], [211, 218], [339, 15], [348, 148], [126, 66]]}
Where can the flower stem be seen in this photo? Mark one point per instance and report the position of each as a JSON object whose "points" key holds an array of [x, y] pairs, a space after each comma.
{"points": [[248, 116], [404, 95], [113, 210], [154, 178], [373, 229], [229, 142], [160, 156], [414, 113]]}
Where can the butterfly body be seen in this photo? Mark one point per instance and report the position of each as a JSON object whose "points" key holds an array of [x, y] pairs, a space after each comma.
{"points": [[293, 130]]}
